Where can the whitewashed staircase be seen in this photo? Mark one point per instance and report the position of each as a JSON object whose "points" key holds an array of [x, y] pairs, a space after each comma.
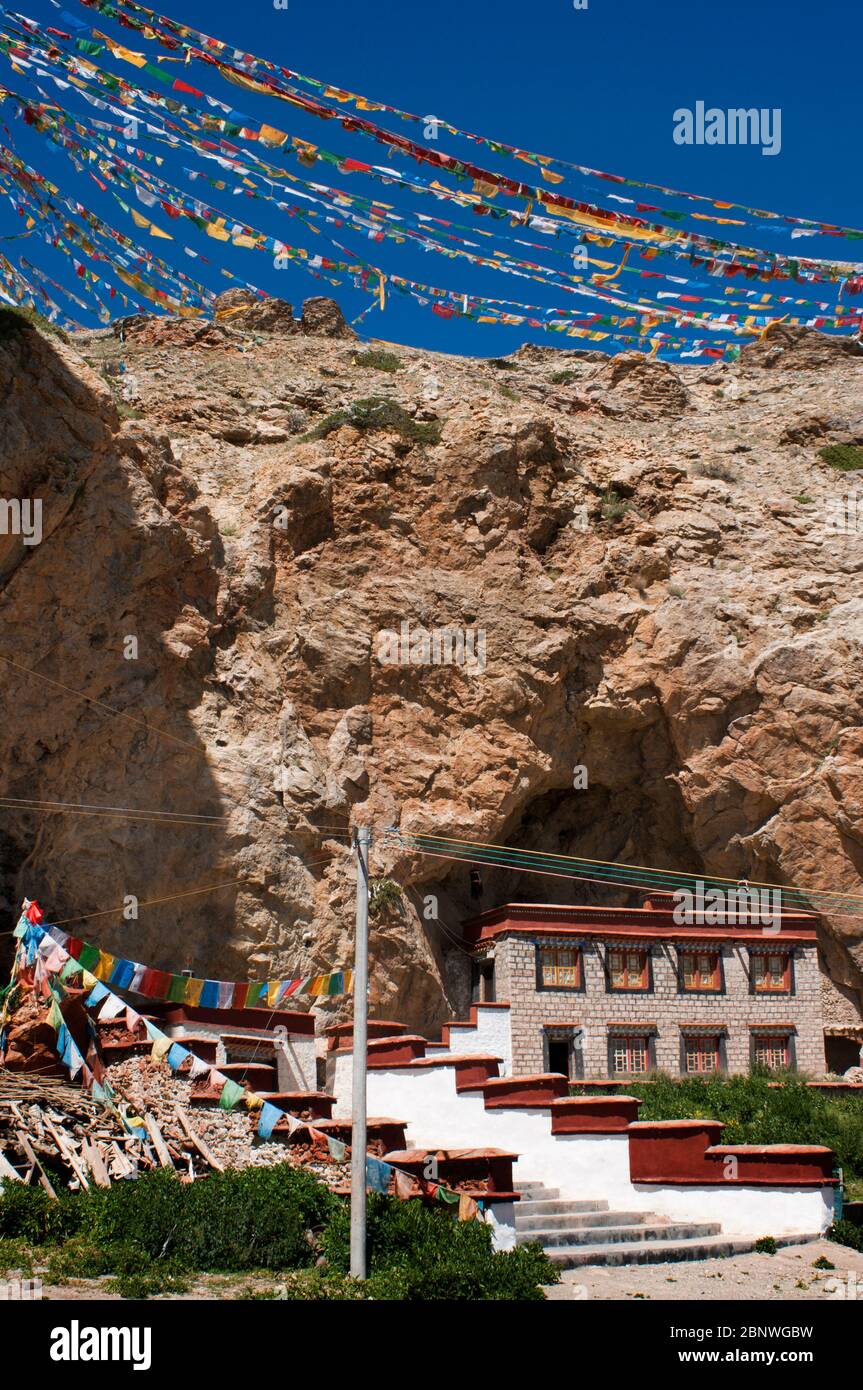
{"points": [[574, 1234]]}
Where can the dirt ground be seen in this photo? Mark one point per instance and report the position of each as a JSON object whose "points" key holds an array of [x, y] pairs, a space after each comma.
{"points": [[787, 1275]]}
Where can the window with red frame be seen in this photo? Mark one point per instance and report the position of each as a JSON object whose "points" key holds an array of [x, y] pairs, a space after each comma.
{"points": [[701, 1054], [627, 969], [772, 1051], [699, 970], [630, 1056], [560, 967], [771, 972]]}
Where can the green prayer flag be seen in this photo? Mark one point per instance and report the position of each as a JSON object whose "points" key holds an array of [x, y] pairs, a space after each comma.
{"points": [[88, 956], [177, 989], [231, 1095]]}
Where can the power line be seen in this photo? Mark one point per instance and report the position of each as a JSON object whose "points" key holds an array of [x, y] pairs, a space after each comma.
{"points": [[528, 861], [70, 808], [205, 753], [125, 810]]}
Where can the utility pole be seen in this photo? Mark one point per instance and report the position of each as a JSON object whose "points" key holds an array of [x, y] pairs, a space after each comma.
{"points": [[362, 840]]}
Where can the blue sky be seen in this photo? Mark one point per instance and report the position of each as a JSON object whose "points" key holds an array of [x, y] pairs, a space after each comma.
{"points": [[596, 86]]}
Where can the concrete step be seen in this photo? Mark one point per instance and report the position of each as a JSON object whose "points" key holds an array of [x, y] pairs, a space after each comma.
{"points": [[574, 1221], [555, 1206], [661, 1251], [537, 1189], [621, 1235]]}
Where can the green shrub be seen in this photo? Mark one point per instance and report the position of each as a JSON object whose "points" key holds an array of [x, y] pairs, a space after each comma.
{"points": [[755, 1111], [253, 1218], [28, 1213], [766, 1245], [377, 413], [502, 364], [385, 893], [563, 378], [419, 1252], [846, 457], [846, 1233], [381, 361]]}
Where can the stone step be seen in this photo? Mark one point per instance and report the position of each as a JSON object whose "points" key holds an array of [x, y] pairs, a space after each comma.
{"points": [[621, 1235], [574, 1221], [661, 1251], [539, 1188], [555, 1206]]}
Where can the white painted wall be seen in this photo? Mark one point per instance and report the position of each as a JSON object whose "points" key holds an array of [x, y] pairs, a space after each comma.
{"points": [[296, 1063], [589, 1166], [501, 1217], [492, 1035], [746, 1211]]}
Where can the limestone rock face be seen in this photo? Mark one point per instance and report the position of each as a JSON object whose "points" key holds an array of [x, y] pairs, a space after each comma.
{"points": [[232, 610]]}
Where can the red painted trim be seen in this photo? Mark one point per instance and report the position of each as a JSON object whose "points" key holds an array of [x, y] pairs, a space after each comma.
{"points": [[645, 932], [524, 1092], [405, 1048], [593, 1114], [688, 1153]]}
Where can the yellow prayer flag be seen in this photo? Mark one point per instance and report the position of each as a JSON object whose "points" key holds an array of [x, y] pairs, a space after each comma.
{"points": [[138, 60], [193, 991], [217, 230], [551, 177], [105, 965], [270, 135]]}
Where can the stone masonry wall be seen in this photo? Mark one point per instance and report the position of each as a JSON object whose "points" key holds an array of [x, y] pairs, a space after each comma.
{"points": [[594, 1007]]}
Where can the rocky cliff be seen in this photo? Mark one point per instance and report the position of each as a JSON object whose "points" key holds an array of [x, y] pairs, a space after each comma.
{"points": [[236, 514]]}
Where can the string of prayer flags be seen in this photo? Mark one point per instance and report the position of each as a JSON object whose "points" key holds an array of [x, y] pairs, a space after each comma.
{"points": [[174, 988], [240, 68]]}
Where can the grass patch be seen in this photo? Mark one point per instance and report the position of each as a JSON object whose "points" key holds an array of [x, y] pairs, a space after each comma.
{"points": [[612, 506], [379, 360], [563, 378], [502, 364], [846, 457], [376, 413], [756, 1112], [509, 393]]}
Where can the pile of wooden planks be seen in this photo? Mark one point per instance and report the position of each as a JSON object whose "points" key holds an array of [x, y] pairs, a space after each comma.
{"points": [[51, 1133]]}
